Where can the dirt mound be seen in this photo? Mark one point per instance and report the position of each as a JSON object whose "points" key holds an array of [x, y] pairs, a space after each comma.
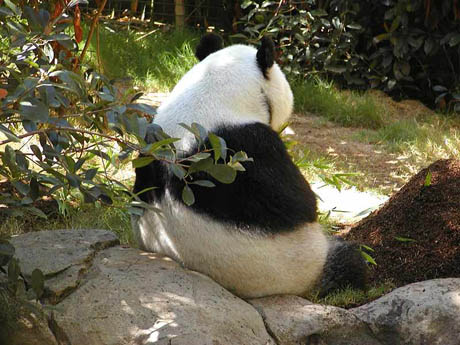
{"points": [[416, 234]]}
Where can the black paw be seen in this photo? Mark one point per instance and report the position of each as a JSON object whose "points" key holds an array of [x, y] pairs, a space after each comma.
{"points": [[345, 267]]}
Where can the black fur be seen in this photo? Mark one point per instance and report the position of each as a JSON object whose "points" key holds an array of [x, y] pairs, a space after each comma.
{"points": [[270, 195], [345, 267], [266, 55], [209, 43]]}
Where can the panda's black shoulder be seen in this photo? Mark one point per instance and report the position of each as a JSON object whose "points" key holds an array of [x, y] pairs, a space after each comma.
{"points": [[271, 195]]}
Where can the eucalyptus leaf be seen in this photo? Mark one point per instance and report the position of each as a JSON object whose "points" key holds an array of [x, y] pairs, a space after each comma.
{"points": [[142, 162], [178, 171], [34, 110], [204, 183], [187, 196], [222, 173]]}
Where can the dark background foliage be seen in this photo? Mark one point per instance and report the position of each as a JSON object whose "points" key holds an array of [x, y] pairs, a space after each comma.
{"points": [[408, 48]]}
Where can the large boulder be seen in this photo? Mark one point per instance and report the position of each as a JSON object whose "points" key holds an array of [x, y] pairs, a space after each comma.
{"points": [[293, 320], [417, 314], [416, 234], [421, 313], [106, 294]]}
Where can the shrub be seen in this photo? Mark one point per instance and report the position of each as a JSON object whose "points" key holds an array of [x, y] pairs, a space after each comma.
{"points": [[408, 48], [66, 129]]}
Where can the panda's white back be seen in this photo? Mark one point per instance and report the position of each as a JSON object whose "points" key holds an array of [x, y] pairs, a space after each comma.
{"points": [[226, 88]]}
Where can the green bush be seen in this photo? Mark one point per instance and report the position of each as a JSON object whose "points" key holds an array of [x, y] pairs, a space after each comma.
{"points": [[408, 48], [65, 130]]}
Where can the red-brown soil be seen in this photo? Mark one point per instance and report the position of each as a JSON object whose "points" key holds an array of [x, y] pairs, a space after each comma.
{"points": [[426, 212]]}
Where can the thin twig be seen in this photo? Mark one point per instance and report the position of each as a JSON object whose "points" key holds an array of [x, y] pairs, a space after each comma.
{"points": [[70, 129], [90, 34]]}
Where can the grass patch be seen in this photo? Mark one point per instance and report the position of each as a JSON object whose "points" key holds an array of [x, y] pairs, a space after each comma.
{"points": [[346, 108], [350, 298], [83, 216], [156, 61]]}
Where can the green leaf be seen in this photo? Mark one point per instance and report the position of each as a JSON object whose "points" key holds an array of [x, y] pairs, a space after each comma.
{"points": [[454, 40], [395, 24], [428, 46], [22, 188], [13, 7], [73, 180], [241, 156], [427, 179], [204, 183], [335, 69], [6, 12], [202, 132], [36, 150], [354, 26], [199, 156], [38, 282], [187, 196], [142, 162], [90, 174], [151, 148], [404, 239], [178, 171], [33, 110], [319, 13], [222, 173], [13, 270], [143, 108], [216, 145], [368, 258], [10, 135], [439, 88], [201, 165], [34, 192]]}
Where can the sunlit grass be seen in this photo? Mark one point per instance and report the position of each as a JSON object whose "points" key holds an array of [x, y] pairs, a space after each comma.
{"points": [[346, 108], [154, 62], [414, 133], [83, 216], [349, 298]]}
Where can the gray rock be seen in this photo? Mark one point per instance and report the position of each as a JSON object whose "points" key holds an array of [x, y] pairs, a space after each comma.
{"points": [[292, 320], [424, 313], [62, 256], [122, 295], [55, 251], [132, 297]]}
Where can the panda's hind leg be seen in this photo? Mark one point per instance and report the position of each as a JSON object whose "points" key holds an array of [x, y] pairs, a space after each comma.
{"points": [[344, 267]]}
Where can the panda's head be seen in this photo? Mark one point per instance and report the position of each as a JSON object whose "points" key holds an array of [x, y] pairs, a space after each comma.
{"points": [[233, 85]]}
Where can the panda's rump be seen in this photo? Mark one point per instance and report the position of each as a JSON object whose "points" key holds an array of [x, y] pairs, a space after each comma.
{"points": [[248, 263]]}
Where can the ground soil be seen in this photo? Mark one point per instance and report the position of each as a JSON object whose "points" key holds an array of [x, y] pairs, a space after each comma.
{"points": [[379, 169], [426, 212]]}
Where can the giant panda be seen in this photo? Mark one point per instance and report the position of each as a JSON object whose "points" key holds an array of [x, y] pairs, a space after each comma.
{"points": [[259, 235]]}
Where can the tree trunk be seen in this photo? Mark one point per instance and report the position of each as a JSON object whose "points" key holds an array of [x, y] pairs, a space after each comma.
{"points": [[179, 10], [134, 4]]}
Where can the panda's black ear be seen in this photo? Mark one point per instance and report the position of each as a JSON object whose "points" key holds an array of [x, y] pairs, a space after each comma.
{"points": [[209, 43], [266, 55]]}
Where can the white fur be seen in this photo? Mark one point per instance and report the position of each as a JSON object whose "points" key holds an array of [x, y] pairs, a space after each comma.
{"points": [[250, 265], [227, 87]]}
